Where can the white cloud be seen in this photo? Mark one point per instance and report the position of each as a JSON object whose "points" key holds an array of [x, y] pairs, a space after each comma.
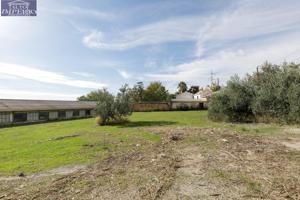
{"points": [[251, 19], [171, 30], [84, 74], [124, 74], [17, 94], [31, 73], [149, 63], [78, 11], [7, 77], [11, 25], [248, 19], [89, 13], [228, 62], [236, 41]]}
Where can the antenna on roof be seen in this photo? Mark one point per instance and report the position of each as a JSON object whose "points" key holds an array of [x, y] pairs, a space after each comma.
{"points": [[212, 77]]}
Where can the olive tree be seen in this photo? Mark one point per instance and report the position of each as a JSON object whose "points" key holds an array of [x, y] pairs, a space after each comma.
{"points": [[271, 94], [113, 109]]}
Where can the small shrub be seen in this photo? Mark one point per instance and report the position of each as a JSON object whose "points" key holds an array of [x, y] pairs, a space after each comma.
{"points": [[183, 107], [99, 121], [114, 109]]}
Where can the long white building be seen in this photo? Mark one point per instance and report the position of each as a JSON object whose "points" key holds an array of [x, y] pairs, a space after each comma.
{"points": [[30, 111]]}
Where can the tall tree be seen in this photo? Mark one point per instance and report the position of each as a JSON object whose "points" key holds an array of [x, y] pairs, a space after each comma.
{"points": [[137, 93], [194, 89], [93, 95], [122, 103], [113, 108], [156, 92], [182, 87], [215, 87]]}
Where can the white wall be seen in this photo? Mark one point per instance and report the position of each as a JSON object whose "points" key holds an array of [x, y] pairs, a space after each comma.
{"points": [[197, 96], [191, 105], [6, 118], [185, 95], [33, 116], [69, 114], [53, 115], [82, 113]]}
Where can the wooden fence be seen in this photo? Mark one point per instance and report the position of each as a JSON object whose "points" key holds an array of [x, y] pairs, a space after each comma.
{"points": [[168, 106], [151, 106]]}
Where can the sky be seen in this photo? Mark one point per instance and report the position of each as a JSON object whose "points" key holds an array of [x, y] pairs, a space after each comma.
{"points": [[74, 46]]}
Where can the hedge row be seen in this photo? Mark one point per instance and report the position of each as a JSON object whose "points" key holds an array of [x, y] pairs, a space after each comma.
{"points": [[271, 94]]}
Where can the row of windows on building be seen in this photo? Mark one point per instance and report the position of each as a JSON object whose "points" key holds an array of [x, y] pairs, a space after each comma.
{"points": [[42, 116]]}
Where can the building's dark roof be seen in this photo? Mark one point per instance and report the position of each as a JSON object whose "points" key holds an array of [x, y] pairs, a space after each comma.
{"points": [[13, 105]]}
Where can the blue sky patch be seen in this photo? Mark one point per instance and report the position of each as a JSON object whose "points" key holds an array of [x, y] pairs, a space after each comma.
{"points": [[73, 47]]}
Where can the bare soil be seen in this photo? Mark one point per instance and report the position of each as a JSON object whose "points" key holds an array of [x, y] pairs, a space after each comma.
{"points": [[189, 163]]}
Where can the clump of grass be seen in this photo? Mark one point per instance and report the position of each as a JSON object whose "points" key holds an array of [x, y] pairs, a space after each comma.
{"points": [[201, 141], [244, 129], [256, 129], [251, 184], [222, 174], [295, 155]]}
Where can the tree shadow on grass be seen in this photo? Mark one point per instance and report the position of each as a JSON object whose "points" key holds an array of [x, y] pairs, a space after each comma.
{"points": [[146, 124]]}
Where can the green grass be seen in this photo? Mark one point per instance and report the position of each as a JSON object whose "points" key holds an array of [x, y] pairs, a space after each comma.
{"points": [[199, 119], [28, 149], [251, 184]]}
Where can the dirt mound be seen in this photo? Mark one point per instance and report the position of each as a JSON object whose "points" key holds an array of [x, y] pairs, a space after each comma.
{"points": [[189, 163]]}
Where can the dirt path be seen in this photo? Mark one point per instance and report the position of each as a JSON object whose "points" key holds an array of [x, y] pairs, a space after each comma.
{"points": [[292, 138], [189, 163], [58, 171], [230, 166]]}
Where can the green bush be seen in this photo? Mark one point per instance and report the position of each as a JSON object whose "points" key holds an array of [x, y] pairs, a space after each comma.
{"points": [[113, 109], [156, 92], [183, 107], [272, 94], [99, 121], [233, 102]]}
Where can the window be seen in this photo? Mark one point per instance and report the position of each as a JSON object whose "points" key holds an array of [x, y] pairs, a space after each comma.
{"points": [[61, 114], [20, 117], [33, 116], [76, 113], [88, 112], [44, 116], [4, 118]]}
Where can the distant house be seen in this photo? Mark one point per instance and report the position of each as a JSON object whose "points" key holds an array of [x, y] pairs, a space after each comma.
{"points": [[187, 101], [30, 111], [198, 95], [203, 94], [185, 95]]}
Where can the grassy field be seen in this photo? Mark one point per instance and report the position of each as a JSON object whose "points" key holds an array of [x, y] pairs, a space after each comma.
{"points": [[36, 148]]}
